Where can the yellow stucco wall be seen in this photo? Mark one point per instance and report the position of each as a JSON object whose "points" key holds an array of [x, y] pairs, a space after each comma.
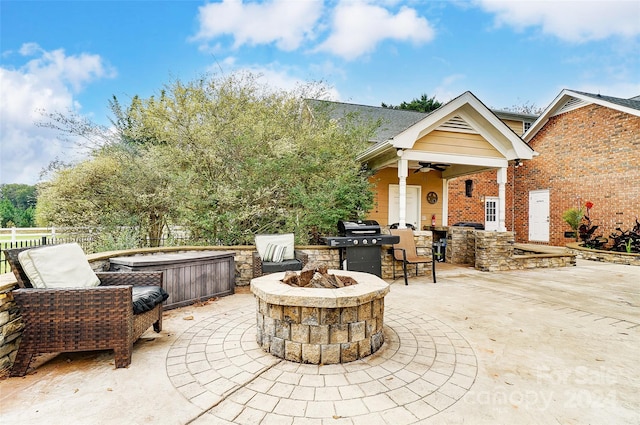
{"points": [[429, 182]]}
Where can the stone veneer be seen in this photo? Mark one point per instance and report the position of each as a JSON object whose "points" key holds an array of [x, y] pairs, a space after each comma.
{"points": [[494, 251], [10, 331], [320, 325], [615, 257]]}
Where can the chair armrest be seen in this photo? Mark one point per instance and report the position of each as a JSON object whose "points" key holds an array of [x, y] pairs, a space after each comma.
{"points": [[257, 264], [104, 303], [404, 254], [130, 278]]}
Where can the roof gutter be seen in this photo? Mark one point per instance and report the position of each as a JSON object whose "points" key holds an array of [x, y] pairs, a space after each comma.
{"points": [[375, 150]]}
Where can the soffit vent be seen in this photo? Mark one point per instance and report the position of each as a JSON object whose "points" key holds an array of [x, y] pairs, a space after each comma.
{"points": [[571, 104], [457, 124]]}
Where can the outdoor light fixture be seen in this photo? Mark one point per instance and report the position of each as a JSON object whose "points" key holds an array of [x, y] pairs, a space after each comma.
{"points": [[518, 163], [468, 188]]}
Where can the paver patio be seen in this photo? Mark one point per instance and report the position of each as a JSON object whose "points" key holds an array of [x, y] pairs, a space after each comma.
{"points": [[535, 346]]}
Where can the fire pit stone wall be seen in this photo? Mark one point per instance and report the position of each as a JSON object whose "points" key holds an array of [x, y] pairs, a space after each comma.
{"points": [[320, 325]]}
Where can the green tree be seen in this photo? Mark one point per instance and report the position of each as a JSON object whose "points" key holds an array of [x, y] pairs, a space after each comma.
{"points": [[422, 104], [225, 157], [17, 205], [113, 189]]}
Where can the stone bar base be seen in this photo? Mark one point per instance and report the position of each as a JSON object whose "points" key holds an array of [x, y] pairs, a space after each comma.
{"points": [[317, 325]]}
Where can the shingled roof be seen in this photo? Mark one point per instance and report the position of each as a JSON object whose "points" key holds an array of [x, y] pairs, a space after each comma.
{"points": [[392, 121], [568, 100], [633, 102]]}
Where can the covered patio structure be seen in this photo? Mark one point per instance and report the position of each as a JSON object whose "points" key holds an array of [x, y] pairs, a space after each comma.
{"points": [[460, 138]]}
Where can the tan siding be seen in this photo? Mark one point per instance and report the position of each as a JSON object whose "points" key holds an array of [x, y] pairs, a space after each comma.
{"points": [[456, 143], [516, 126]]}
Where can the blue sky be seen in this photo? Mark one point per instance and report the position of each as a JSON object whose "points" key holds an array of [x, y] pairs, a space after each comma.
{"points": [[74, 55]]}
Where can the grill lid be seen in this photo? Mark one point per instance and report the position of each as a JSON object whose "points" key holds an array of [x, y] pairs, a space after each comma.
{"points": [[358, 228]]}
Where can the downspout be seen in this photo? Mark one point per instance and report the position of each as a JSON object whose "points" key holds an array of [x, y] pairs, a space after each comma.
{"points": [[513, 198], [502, 179]]}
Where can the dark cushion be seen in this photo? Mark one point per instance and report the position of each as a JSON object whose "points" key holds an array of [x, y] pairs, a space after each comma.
{"points": [[281, 266], [146, 298]]}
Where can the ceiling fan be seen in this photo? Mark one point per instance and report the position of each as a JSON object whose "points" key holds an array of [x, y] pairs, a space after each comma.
{"points": [[425, 167]]}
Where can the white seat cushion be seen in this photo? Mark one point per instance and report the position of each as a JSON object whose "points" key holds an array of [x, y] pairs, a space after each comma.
{"points": [[58, 266], [287, 240]]}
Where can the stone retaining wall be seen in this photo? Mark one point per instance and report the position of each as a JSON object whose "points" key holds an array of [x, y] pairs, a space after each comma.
{"points": [[11, 329], [11, 322], [606, 256], [494, 251]]}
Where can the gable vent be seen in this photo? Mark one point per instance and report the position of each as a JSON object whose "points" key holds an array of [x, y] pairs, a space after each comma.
{"points": [[457, 124], [571, 104]]}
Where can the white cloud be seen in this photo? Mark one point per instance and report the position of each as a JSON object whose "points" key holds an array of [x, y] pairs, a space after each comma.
{"points": [[358, 27], [48, 82], [287, 23], [278, 77], [569, 20], [450, 86]]}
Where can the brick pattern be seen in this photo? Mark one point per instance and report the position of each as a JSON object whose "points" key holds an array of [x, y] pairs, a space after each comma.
{"points": [[471, 209], [317, 335], [588, 154], [423, 368]]}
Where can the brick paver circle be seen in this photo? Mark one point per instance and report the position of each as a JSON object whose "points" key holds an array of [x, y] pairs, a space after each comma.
{"points": [[423, 368]]}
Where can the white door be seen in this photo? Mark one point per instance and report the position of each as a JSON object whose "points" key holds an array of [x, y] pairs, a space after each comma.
{"points": [[539, 215], [413, 204], [491, 206]]}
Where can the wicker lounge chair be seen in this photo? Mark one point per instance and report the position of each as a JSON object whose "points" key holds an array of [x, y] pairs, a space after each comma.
{"points": [[68, 319], [276, 253], [406, 252]]}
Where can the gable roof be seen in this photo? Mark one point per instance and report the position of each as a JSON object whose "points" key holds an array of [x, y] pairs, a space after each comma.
{"points": [[569, 100], [465, 113], [392, 121]]}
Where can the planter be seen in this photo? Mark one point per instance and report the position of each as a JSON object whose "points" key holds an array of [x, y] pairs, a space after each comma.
{"points": [[630, 259]]}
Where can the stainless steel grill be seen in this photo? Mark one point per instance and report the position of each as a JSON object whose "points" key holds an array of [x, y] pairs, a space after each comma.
{"points": [[360, 245]]}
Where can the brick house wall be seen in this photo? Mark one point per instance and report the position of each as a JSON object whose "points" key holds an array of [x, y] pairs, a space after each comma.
{"points": [[471, 209], [588, 154]]}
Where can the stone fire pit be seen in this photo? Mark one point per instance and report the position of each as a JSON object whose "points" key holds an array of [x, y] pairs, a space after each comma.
{"points": [[320, 325]]}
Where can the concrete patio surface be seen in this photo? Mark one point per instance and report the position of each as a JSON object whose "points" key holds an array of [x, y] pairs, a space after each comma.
{"points": [[523, 347]]}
